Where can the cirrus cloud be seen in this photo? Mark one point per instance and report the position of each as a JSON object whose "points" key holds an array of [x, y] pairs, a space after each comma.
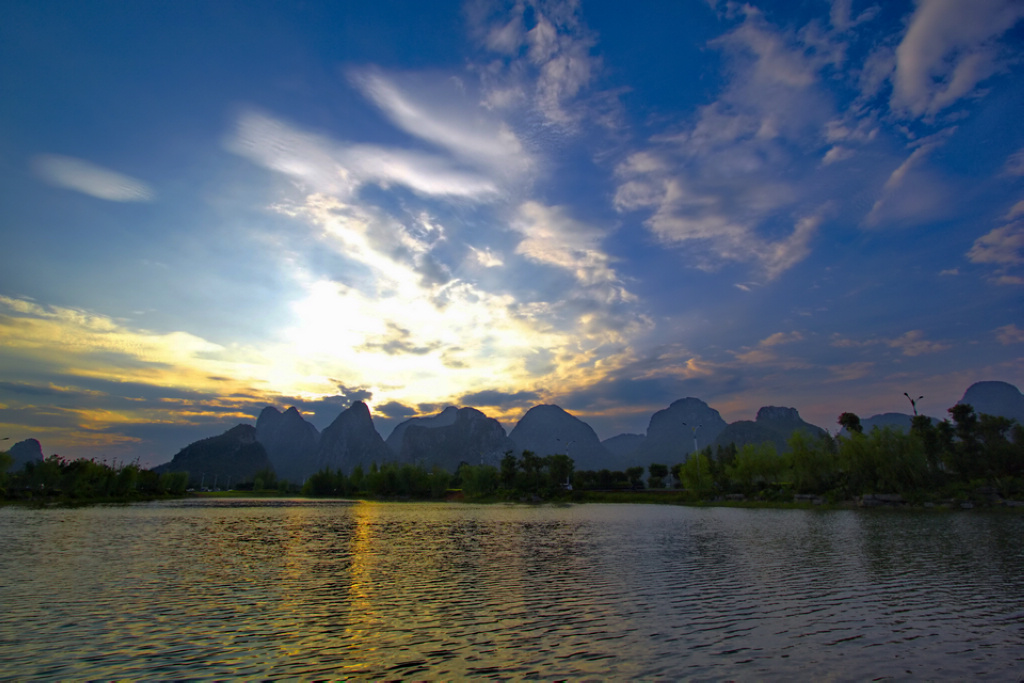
{"points": [[88, 178]]}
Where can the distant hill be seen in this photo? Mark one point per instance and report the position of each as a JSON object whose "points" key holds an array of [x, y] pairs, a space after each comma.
{"points": [[352, 440], [290, 441], [773, 424], [670, 433], [226, 460], [897, 421], [900, 421], [995, 398], [443, 419], [25, 452], [549, 430], [294, 449], [471, 437], [623, 446]]}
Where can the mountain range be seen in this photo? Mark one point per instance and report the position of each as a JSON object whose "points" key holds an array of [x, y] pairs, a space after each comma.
{"points": [[295, 449]]}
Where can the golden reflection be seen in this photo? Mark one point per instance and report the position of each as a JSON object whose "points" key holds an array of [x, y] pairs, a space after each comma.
{"points": [[297, 546]]}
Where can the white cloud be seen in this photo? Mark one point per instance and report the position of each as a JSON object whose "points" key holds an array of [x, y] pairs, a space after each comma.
{"points": [[911, 194], [949, 48], [438, 111], [1003, 246], [90, 179], [1015, 163], [781, 338], [766, 352], [486, 258], [720, 222], [912, 343], [727, 185], [835, 154], [553, 238], [550, 64], [1010, 334], [341, 169], [841, 19], [775, 61], [1015, 211]]}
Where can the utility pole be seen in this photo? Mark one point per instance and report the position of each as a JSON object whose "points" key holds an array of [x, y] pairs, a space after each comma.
{"points": [[696, 455], [568, 482], [913, 402]]}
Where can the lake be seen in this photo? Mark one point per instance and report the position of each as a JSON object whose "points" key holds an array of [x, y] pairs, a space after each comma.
{"points": [[206, 588]]}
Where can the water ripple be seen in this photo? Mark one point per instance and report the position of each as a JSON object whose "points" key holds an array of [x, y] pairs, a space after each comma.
{"points": [[304, 590]]}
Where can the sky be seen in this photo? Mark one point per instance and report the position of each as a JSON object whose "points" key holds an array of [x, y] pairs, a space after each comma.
{"points": [[207, 208]]}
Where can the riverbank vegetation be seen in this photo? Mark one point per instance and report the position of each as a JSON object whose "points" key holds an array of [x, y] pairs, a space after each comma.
{"points": [[969, 459], [57, 480]]}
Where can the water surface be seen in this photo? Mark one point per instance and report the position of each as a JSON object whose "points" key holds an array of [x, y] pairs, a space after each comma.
{"points": [[301, 589]]}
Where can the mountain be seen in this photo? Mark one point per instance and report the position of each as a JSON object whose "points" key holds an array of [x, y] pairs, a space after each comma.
{"points": [[898, 421], [670, 432], [995, 398], [470, 437], [226, 460], [443, 419], [291, 443], [623, 446], [547, 430], [774, 424], [352, 440], [25, 452]]}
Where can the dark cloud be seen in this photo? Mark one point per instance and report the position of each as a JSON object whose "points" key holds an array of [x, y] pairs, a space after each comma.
{"points": [[351, 394], [48, 390], [394, 409], [323, 411], [432, 272], [502, 399], [397, 342], [397, 347]]}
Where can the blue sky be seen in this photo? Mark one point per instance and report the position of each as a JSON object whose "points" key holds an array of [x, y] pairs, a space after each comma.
{"points": [[211, 207]]}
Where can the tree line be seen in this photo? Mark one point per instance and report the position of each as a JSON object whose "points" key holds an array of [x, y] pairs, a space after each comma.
{"points": [[931, 460], [928, 461], [942, 459], [81, 481], [526, 476]]}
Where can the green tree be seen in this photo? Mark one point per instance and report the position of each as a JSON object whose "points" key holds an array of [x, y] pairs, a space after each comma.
{"points": [[439, 481], [529, 478], [173, 483], [509, 469], [479, 481], [885, 461], [937, 443], [559, 469], [265, 479], [695, 473], [756, 466], [813, 462], [586, 480], [635, 475], [964, 458], [851, 423], [357, 480], [5, 464], [657, 474]]}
